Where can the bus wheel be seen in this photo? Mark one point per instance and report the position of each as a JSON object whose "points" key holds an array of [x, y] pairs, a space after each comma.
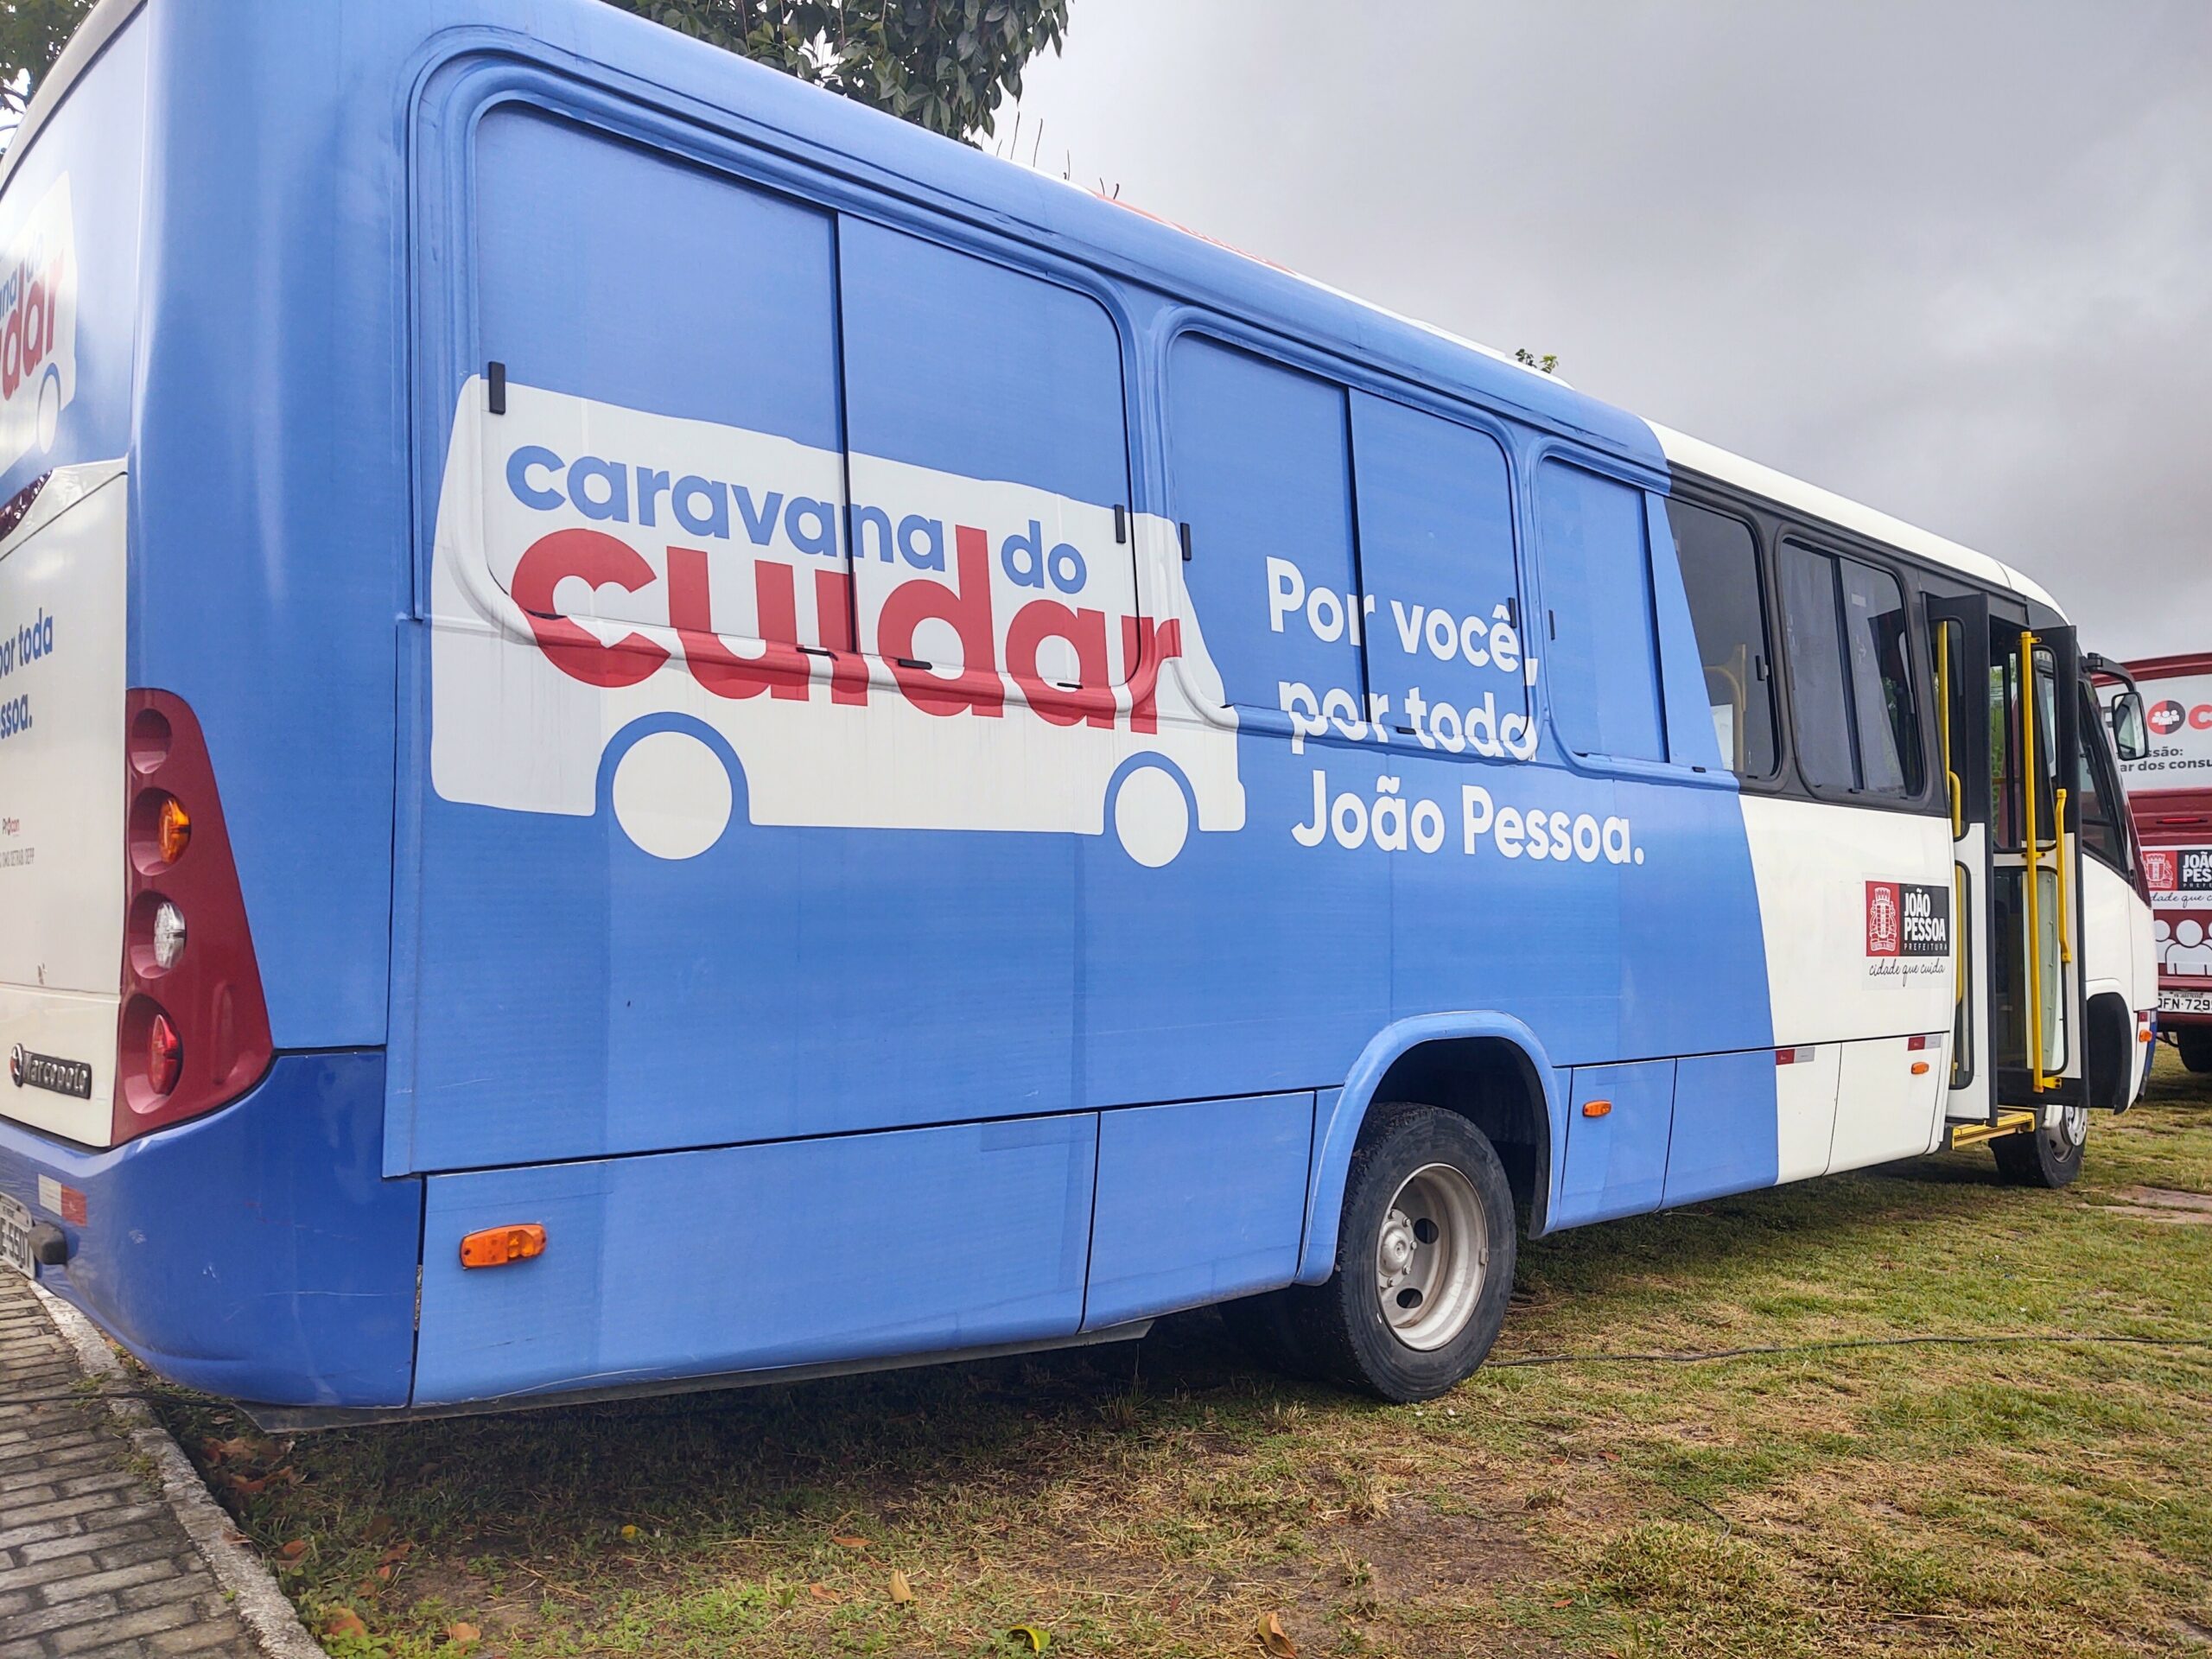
{"points": [[2050, 1156], [2195, 1044], [1424, 1260]]}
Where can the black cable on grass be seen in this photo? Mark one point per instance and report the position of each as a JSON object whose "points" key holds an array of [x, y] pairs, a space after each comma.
{"points": [[1694, 1356], [1658, 1357]]}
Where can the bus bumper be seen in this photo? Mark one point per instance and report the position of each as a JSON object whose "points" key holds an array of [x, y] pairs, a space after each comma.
{"points": [[256, 1253]]}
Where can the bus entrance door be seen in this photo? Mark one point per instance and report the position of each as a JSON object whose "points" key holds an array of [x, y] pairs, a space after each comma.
{"points": [[1959, 630], [2038, 1016]]}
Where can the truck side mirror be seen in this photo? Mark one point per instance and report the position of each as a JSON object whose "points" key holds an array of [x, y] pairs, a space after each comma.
{"points": [[2129, 735]]}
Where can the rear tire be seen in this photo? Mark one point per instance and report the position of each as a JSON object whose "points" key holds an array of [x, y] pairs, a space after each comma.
{"points": [[2049, 1157], [1425, 1256], [2195, 1044]]}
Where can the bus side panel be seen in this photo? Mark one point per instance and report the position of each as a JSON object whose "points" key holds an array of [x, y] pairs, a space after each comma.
{"points": [[749, 1258], [1196, 1204]]}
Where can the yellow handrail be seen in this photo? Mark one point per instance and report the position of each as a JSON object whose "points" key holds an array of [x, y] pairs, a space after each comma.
{"points": [[1943, 725], [2065, 910], [2032, 885]]}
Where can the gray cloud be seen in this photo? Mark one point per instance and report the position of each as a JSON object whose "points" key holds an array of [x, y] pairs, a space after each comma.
{"points": [[1954, 260]]}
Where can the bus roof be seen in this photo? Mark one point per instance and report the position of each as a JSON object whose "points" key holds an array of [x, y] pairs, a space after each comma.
{"points": [[1119, 232]]}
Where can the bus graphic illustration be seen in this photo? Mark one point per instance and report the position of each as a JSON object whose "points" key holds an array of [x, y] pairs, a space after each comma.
{"points": [[968, 655]]}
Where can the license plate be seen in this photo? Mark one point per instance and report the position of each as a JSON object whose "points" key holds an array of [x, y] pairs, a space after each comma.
{"points": [[15, 1236], [2185, 1001]]}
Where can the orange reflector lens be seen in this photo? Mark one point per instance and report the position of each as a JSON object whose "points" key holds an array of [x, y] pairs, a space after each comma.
{"points": [[1596, 1107], [1920, 1068], [172, 829], [495, 1247]]}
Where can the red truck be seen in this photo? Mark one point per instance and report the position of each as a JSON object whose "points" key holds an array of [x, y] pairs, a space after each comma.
{"points": [[2170, 791]]}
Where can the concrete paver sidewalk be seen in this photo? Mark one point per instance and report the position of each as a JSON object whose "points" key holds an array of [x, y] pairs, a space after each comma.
{"points": [[93, 1564]]}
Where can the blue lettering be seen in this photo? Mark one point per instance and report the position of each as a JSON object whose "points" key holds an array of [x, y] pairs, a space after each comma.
{"points": [[712, 521], [864, 517], [912, 528], [1067, 569], [519, 466], [1022, 557], [650, 485], [615, 504], [760, 523], [823, 539]]}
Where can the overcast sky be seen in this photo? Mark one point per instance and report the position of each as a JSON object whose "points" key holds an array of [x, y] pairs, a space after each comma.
{"points": [[1954, 260]]}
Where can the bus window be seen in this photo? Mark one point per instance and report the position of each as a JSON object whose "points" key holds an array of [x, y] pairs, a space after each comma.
{"points": [[1262, 476], [959, 369], [1720, 572], [1817, 693], [567, 218], [1436, 557], [1881, 681], [2102, 833], [1857, 714], [1601, 651]]}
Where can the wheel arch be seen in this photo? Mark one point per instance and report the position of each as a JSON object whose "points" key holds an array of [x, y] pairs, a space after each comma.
{"points": [[1488, 1067]]}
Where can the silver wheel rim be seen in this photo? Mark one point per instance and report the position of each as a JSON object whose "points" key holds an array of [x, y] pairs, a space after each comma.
{"points": [[1432, 1257], [2070, 1128]]}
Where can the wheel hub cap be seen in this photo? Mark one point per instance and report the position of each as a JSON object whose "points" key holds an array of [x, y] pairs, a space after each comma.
{"points": [[1432, 1257]]}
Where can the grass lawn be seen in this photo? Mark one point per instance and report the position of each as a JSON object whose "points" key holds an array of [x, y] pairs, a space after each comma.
{"points": [[1163, 1498]]}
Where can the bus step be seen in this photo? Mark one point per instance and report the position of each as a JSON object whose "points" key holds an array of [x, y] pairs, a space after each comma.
{"points": [[1973, 1134]]}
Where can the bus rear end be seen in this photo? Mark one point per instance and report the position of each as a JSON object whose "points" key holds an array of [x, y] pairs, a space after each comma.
{"points": [[2170, 790], [188, 1150]]}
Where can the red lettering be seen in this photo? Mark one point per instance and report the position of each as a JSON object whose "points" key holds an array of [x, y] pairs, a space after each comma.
{"points": [[11, 353], [1092, 698], [2200, 718], [1144, 651], [833, 608], [35, 330], [599, 559], [780, 669], [968, 608]]}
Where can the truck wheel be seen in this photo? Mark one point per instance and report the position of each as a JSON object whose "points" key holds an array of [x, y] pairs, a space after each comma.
{"points": [[1425, 1260], [2047, 1157], [2195, 1044]]}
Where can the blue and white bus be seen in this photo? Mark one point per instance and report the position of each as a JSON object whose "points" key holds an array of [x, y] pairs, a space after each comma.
{"points": [[658, 729]]}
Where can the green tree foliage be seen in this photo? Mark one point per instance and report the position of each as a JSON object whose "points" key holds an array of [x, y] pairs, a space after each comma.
{"points": [[941, 64], [31, 36]]}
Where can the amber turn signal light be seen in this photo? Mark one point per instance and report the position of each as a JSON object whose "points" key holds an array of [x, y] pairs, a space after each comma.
{"points": [[494, 1247], [172, 829], [1596, 1107]]}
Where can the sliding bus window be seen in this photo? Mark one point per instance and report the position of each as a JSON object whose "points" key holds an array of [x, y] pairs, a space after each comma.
{"points": [[1719, 560], [1857, 712]]}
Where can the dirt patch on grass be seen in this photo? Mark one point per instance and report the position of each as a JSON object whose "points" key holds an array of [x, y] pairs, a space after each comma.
{"points": [[2163, 1204]]}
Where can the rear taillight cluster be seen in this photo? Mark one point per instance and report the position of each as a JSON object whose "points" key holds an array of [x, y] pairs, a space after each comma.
{"points": [[194, 1028]]}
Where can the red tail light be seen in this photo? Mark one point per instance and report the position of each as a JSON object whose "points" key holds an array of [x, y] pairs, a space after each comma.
{"points": [[194, 1029], [164, 1054]]}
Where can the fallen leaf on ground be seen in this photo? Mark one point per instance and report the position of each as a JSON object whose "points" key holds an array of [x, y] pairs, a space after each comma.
{"points": [[463, 1633], [1038, 1640], [343, 1621], [1276, 1639], [846, 1541], [294, 1550], [629, 1531], [900, 1590], [380, 1527], [822, 1593], [398, 1551]]}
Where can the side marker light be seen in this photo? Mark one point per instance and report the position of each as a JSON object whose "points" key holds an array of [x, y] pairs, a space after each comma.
{"points": [[495, 1247]]}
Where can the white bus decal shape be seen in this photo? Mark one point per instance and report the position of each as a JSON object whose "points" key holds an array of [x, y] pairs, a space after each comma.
{"points": [[583, 548]]}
